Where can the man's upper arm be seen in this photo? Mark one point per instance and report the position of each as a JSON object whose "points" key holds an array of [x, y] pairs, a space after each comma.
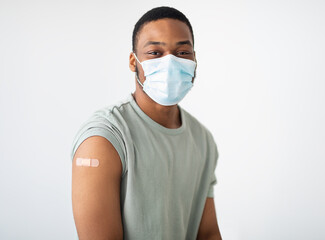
{"points": [[209, 228], [96, 191]]}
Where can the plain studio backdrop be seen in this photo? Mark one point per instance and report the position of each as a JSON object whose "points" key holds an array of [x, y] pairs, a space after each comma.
{"points": [[260, 90]]}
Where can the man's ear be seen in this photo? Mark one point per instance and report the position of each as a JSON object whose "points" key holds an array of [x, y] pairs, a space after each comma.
{"points": [[132, 62]]}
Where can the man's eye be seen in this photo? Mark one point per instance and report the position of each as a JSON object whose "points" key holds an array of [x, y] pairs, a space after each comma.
{"points": [[183, 53], [153, 53]]}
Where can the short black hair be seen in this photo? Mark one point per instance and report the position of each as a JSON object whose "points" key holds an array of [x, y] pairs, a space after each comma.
{"points": [[156, 14]]}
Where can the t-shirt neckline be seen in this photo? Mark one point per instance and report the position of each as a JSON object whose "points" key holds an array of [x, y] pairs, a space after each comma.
{"points": [[154, 124]]}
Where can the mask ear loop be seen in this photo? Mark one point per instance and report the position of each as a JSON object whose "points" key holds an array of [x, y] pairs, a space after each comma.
{"points": [[136, 57], [195, 68], [136, 73], [138, 80]]}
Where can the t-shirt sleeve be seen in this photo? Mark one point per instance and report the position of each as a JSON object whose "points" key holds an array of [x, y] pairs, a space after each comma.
{"points": [[100, 125], [214, 155], [211, 187]]}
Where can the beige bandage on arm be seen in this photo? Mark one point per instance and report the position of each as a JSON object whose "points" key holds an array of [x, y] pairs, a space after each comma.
{"points": [[87, 162]]}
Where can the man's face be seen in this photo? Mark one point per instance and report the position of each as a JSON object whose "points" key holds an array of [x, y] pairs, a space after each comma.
{"points": [[159, 38]]}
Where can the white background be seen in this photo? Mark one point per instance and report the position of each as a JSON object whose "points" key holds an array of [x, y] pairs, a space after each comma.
{"points": [[260, 90]]}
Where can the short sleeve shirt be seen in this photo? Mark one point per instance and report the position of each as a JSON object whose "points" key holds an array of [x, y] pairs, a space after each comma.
{"points": [[167, 173]]}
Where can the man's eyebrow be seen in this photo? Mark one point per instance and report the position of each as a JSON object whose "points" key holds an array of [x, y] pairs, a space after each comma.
{"points": [[186, 42], [154, 43]]}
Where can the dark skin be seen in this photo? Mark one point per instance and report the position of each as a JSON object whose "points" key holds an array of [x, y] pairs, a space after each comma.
{"points": [[157, 39]]}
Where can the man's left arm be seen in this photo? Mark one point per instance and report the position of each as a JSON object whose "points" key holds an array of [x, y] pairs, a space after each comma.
{"points": [[208, 229]]}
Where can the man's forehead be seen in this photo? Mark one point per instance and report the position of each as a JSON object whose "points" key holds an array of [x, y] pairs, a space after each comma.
{"points": [[162, 31]]}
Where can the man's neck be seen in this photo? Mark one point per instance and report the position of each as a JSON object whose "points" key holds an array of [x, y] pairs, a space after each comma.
{"points": [[167, 116]]}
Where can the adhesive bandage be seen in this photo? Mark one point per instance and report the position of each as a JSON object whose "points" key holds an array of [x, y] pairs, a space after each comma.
{"points": [[87, 162]]}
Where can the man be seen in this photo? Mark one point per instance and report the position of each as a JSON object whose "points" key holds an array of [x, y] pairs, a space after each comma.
{"points": [[144, 168]]}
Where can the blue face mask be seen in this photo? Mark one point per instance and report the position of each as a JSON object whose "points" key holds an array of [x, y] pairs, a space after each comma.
{"points": [[168, 78]]}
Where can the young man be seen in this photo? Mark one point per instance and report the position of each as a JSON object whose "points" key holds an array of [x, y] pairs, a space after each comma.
{"points": [[144, 168]]}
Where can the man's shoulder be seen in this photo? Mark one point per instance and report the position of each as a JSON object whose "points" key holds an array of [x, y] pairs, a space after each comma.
{"points": [[107, 118], [195, 124], [109, 111], [193, 121], [106, 122]]}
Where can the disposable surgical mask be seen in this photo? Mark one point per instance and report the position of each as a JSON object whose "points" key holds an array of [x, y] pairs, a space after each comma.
{"points": [[168, 78]]}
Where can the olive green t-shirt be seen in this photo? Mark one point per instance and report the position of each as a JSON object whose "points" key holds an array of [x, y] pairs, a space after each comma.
{"points": [[167, 173]]}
